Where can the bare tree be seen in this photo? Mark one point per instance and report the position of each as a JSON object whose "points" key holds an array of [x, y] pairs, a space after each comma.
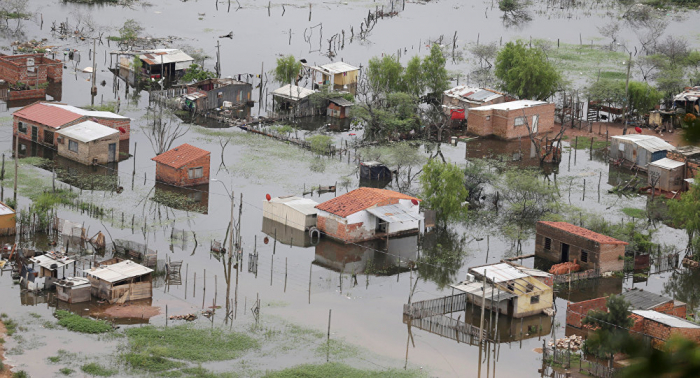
{"points": [[162, 131], [675, 49], [610, 30], [542, 144]]}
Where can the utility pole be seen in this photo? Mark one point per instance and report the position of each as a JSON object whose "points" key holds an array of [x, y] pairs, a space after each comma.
{"points": [[627, 94], [93, 91], [218, 60], [262, 72], [14, 191], [483, 306]]}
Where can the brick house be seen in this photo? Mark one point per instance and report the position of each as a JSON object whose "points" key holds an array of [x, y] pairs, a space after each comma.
{"points": [[31, 69], [563, 242], [368, 213], [690, 155], [184, 165], [660, 327], [89, 143], [508, 120], [465, 97], [39, 121], [638, 299]]}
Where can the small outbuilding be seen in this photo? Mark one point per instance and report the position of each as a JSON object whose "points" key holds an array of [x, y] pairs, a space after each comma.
{"points": [[184, 165], [120, 282], [563, 242], [339, 107], [666, 174], [374, 170], [659, 327], [8, 221], [89, 143], [639, 150], [294, 99], [73, 290], [458, 100], [511, 120], [295, 212], [340, 74], [52, 265]]}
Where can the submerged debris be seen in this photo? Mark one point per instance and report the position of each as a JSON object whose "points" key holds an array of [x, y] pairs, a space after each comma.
{"points": [[187, 317]]}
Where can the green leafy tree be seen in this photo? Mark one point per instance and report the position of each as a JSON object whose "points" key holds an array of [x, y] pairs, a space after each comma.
{"points": [[679, 358], [685, 212], [196, 73], [435, 74], [606, 91], [611, 327], [386, 117], [320, 144], [384, 75], [443, 190], [643, 97], [691, 128], [130, 31], [529, 197], [413, 80], [287, 70], [526, 72]]}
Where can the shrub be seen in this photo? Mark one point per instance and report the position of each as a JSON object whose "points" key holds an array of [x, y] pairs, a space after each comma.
{"points": [[98, 370]]}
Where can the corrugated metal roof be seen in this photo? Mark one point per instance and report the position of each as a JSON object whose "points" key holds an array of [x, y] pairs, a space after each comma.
{"points": [[119, 271], [475, 94], [475, 289], [632, 137], [395, 213], [293, 92], [153, 57], [500, 272], [655, 144], [303, 205], [74, 282], [87, 131], [667, 163], [644, 300], [195, 95], [5, 210], [668, 320], [512, 105], [43, 114], [45, 261], [88, 113], [691, 94], [341, 101], [339, 67]]}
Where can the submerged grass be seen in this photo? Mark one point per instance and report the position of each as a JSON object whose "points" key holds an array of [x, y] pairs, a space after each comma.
{"points": [[635, 213], [66, 371], [77, 323], [10, 326], [150, 362], [584, 143], [98, 370], [340, 370], [188, 343], [587, 61]]}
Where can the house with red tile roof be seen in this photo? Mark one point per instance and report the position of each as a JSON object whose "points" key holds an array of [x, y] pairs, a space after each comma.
{"points": [[369, 213], [184, 165], [40, 121], [563, 242]]}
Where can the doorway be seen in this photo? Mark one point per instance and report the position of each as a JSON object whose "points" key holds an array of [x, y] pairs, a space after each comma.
{"points": [[35, 133], [112, 153], [564, 252]]}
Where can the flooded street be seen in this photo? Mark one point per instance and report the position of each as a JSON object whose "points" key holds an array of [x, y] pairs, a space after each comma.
{"points": [[299, 279]]}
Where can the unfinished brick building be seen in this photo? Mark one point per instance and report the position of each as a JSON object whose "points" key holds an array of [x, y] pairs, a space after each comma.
{"points": [[184, 165], [659, 327], [510, 120], [31, 69], [563, 242]]}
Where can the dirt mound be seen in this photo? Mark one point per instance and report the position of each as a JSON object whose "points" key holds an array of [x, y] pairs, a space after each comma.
{"points": [[131, 311]]}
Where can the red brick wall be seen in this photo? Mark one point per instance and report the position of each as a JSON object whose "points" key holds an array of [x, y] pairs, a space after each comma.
{"points": [[180, 177], [14, 68], [124, 123], [40, 129], [501, 123], [575, 312], [27, 94]]}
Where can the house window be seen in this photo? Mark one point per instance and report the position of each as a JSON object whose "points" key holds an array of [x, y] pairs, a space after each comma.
{"points": [[488, 118], [519, 121], [547, 244], [530, 287], [73, 146], [22, 127], [534, 299], [195, 173], [584, 256]]}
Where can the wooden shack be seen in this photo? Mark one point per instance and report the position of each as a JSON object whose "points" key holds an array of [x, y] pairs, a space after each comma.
{"points": [[121, 282], [73, 290], [8, 223], [339, 108], [666, 174]]}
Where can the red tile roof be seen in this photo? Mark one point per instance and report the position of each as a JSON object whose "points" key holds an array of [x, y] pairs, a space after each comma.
{"points": [[360, 199], [180, 156], [51, 116], [584, 233]]}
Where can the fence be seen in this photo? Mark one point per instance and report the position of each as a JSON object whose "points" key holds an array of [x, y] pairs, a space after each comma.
{"points": [[164, 95], [449, 328], [439, 306], [136, 250], [664, 263], [562, 357]]}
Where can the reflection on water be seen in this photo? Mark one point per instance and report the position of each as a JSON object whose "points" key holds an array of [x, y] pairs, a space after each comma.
{"points": [[285, 234], [519, 153], [193, 198], [371, 257]]}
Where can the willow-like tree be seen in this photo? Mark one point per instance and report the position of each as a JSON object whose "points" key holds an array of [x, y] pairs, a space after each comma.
{"points": [[526, 72], [287, 69], [443, 190]]}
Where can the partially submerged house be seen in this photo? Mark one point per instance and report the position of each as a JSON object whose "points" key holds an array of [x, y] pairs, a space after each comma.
{"points": [[73, 290], [511, 289], [563, 242], [659, 327], [49, 268], [8, 221], [184, 165], [368, 213], [121, 281], [27, 75], [89, 143], [156, 63], [512, 120], [638, 299], [638, 150], [690, 155], [293, 99], [40, 121], [688, 100], [217, 94], [295, 212], [374, 170], [338, 74], [339, 107], [666, 175], [464, 97]]}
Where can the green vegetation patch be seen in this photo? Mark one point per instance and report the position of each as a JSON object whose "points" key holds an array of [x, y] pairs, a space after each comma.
{"points": [[20, 374], [635, 213], [150, 362], [584, 143], [98, 370], [62, 355], [110, 106], [66, 371], [77, 323], [340, 370], [188, 343], [11, 326]]}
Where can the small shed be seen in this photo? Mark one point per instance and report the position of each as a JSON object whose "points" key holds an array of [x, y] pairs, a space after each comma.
{"points": [[51, 266], [73, 290], [296, 212], [8, 222], [339, 107], [293, 98], [342, 73], [184, 165], [89, 143], [120, 282], [374, 170], [666, 174], [639, 149]]}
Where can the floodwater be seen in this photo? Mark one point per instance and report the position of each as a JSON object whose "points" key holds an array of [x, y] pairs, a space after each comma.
{"points": [[365, 288]]}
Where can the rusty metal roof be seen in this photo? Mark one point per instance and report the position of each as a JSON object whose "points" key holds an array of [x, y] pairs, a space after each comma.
{"points": [[180, 156]]}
